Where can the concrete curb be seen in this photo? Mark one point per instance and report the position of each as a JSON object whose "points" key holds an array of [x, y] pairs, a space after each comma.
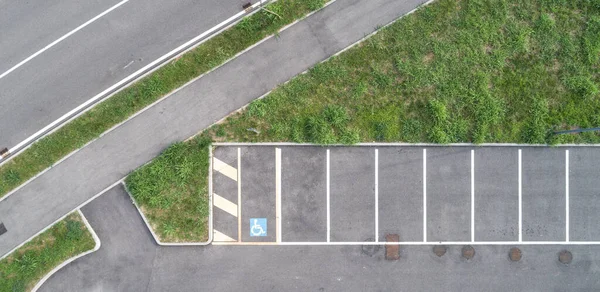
{"points": [[157, 240], [394, 144], [97, 247]]}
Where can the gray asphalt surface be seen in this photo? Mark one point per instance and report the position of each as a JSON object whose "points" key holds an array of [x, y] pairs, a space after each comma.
{"points": [[399, 189], [191, 109], [92, 59], [128, 260]]}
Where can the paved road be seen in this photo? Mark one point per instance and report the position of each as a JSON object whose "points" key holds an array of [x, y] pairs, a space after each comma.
{"points": [[191, 109], [377, 190], [91, 60], [130, 261]]}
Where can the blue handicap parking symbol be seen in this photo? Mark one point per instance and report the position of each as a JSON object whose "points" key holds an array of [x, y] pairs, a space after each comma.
{"points": [[258, 226]]}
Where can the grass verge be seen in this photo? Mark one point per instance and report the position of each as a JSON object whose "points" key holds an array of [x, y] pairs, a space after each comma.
{"points": [[212, 53], [21, 270], [455, 71]]}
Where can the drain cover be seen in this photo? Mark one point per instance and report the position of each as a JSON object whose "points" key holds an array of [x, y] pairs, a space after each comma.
{"points": [[565, 257], [515, 254], [369, 249], [439, 250], [468, 252], [2, 228]]}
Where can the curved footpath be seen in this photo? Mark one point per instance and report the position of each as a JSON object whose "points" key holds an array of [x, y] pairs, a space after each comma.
{"points": [[129, 260], [91, 170]]}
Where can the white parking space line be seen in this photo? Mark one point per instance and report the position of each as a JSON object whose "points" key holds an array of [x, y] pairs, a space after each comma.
{"points": [[219, 236], [472, 195], [376, 195], [225, 169], [239, 183], [278, 193], [52, 44], [567, 194], [424, 195], [520, 197], [416, 243], [328, 201], [225, 205]]}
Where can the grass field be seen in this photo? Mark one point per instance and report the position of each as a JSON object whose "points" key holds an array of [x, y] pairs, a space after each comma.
{"points": [[21, 270], [122, 105], [455, 71]]}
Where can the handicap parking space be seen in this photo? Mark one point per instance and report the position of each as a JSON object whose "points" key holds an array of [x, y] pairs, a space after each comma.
{"points": [[496, 194], [426, 194], [448, 194], [543, 194], [584, 194]]}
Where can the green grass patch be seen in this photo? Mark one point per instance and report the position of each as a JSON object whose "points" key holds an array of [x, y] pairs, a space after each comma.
{"points": [[21, 270], [122, 105], [172, 191]]}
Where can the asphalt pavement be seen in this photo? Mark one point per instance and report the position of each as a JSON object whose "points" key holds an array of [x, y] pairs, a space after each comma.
{"points": [[426, 194], [129, 260], [189, 110], [92, 59]]}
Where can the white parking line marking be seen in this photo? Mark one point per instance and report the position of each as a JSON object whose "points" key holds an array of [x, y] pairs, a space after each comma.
{"points": [[567, 193], [225, 205], [278, 192], [415, 243], [376, 195], [219, 236], [52, 44], [424, 195], [328, 202], [520, 198], [239, 181], [225, 169], [472, 195]]}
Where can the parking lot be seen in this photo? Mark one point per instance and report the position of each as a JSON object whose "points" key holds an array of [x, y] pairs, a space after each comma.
{"points": [[493, 195]]}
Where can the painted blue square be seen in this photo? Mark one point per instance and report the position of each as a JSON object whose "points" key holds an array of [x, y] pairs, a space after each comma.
{"points": [[258, 226]]}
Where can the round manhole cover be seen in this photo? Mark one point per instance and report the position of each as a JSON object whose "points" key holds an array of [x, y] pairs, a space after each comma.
{"points": [[565, 257], [468, 252], [515, 254], [370, 249], [439, 250]]}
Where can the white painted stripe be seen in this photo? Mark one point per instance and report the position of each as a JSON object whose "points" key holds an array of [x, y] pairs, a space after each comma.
{"points": [[376, 195], [567, 194], [472, 195], [225, 205], [219, 236], [520, 173], [328, 202], [424, 195], [225, 169], [239, 181], [418, 243], [278, 193], [52, 44], [394, 144]]}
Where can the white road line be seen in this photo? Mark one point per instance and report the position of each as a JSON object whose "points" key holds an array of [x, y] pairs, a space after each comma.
{"points": [[328, 202], [225, 205], [472, 195], [225, 169], [219, 236], [52, 44], [239, 183], [424, 195], [567, 193], [418, 243], [278, 192], [520, 197], [376, 195]]}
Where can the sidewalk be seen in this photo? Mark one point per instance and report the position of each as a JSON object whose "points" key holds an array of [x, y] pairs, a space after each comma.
{"points": [[189, 110]]}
